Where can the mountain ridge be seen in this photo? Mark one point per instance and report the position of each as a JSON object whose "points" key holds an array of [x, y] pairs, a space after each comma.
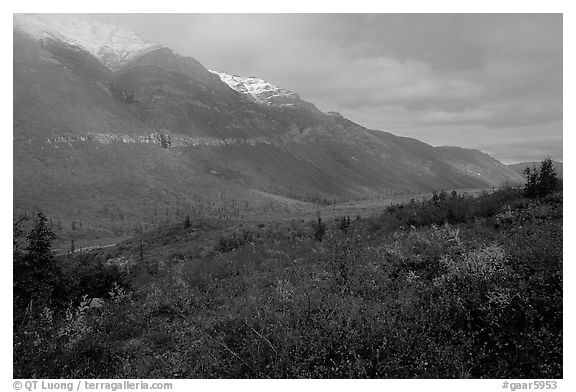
{"points": [[165, 132], [113, 45]]}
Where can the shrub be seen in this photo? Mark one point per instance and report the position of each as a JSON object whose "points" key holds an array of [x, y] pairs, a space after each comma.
{"points": [[238, 240], [441, 208], [187, 223], [345, 223], [319, 229], [463, 299]]}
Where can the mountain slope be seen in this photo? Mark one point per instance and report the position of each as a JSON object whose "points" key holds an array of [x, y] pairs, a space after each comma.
{"points": [[477, 163], [112, 45], [110, 126], [520, 167]]}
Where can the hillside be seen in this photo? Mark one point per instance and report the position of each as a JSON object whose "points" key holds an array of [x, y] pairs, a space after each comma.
{"points": [[520, 167], [115, 131]]}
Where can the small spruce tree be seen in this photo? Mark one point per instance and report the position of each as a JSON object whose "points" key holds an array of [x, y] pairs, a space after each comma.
{"points": [[36, 272], [541, 182]]}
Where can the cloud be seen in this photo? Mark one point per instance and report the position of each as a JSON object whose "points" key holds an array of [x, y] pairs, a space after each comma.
{"points": [[387, 80], [466, 116]]}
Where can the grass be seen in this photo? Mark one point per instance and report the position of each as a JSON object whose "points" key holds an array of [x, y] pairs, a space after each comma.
{"points": [[451, 287]]}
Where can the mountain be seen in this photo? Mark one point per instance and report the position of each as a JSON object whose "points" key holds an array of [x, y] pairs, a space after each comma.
{"points": [[113, 46], [112, 129], [520, 167], [264, 93]]}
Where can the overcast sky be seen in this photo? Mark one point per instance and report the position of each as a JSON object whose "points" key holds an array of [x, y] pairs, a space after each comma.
{"points": [[486, 81]]}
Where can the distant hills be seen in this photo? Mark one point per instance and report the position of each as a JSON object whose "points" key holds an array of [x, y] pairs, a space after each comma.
{"points": [[110, 127], [520, 167]]}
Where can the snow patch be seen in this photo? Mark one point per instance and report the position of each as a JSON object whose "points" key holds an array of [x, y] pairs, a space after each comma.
{"points": [[259, 90], [111, 44]]}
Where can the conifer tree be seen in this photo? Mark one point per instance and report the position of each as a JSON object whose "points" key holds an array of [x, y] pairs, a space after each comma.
{"points": [[543, 181], [36, 272]]}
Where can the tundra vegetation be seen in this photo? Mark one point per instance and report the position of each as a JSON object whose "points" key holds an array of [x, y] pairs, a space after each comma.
{"points": [[455, 286]]}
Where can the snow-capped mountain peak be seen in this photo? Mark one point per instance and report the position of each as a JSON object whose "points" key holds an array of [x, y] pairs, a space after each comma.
{"points": [[259, 90], [111, 44]]}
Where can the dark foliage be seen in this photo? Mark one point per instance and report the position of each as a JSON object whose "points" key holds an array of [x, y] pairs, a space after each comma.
{"points": [[46, 292], [443, 208], [319, 229], [452, 287], [345, 223], [36, 272], [238, 239], [541, 182]]}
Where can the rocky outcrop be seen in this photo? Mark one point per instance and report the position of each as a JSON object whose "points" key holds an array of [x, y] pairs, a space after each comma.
{"points": [[162, 138]]}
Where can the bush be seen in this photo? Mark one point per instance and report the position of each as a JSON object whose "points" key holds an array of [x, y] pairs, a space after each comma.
{"points": [[441, 208], [345, 223], [468, 299], [238, 240], [319, 229]]}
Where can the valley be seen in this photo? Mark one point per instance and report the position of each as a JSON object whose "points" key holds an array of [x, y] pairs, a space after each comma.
{"points": [[377, 296], [124, 145], [175, 221]]}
